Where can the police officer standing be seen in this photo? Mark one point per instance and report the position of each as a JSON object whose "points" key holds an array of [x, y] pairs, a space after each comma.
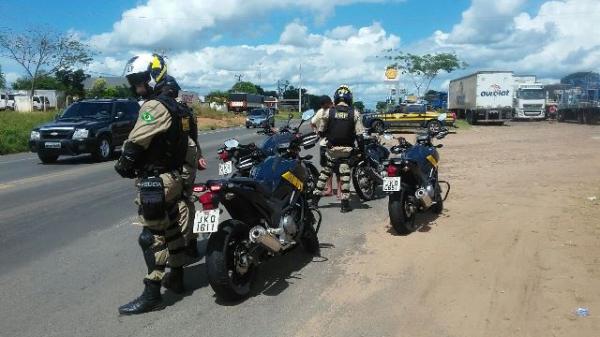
{"points": [[341, 126], [154, 154]]}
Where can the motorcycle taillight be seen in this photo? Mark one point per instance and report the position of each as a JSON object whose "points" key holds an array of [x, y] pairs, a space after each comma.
{"points": [[224, 155], [392, 170], [206, 200]]}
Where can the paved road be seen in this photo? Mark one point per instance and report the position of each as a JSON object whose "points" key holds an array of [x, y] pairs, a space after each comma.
{"points": [[69, 258]]}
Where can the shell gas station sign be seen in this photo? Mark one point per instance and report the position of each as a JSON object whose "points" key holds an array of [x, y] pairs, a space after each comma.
{"points": [[391, 74]]}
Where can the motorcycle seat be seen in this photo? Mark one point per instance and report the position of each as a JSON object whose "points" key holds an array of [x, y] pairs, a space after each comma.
{"points": [[253, 184]]}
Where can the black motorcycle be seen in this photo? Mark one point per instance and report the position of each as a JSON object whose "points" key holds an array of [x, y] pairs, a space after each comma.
{"points": [[243, 157], [368, 168], [270, 215], [412, 180]]}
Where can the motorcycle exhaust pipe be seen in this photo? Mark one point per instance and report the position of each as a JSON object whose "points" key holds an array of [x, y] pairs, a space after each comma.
{"points": [[260, 235], [423, 195]]}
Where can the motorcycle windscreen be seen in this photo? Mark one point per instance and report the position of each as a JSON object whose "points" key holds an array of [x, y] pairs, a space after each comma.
{"points": [[269, 146]]}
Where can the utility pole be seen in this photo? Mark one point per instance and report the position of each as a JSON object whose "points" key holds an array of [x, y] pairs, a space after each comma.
{"points": [[259, 74], [239, 77], [300, 91]]}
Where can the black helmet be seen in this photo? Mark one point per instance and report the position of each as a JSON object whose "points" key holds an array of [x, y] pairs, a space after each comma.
{"points": [[343, 94]]}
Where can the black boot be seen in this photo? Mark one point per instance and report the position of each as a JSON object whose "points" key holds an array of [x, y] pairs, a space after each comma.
{"points": [[149, 300], [173, 280], [346, 206]]}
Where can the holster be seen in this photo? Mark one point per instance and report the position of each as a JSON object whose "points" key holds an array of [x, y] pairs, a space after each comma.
{"points": [[152, 198]]}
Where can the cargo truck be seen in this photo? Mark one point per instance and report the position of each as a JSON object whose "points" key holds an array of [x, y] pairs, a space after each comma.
{"points": [[529, 100], [579, 104], [483, 97], [240, 102]]}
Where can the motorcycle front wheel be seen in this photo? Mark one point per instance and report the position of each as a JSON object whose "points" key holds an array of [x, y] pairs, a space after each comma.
{"points": [[363, 183], [402, 213], [311, 179], [230, 272]]}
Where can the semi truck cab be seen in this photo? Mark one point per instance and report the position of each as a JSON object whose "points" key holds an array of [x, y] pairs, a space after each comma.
{"points": [[530, 101]]}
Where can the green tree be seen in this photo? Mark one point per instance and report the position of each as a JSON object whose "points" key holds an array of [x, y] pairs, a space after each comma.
{"points": [[314, 102], [44, 81], [2, 79], [98, 88], [271, 93], [217, 96], [423, 69], [72, 81], [359, 105], [381, 106], [292, 93], [246, 87]]}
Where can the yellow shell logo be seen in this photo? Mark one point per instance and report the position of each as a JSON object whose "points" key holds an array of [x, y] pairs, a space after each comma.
{"points": [[391, 73]]}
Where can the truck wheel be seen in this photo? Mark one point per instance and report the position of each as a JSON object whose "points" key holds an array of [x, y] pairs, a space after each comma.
{"points": [[103, 150], [378, 126], [434, 126], [47, 158]]}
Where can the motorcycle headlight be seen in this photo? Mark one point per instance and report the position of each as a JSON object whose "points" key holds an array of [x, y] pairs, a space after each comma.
{"points": [[35, 135], [81, 133]]}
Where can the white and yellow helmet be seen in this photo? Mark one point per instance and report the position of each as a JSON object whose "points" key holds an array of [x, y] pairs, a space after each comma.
{"points": [[149, 69]]}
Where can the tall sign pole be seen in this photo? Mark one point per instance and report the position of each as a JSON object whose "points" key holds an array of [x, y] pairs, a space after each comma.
{"points": [[391, 77]]}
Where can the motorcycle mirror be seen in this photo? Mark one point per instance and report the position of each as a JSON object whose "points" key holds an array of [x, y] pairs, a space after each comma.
{"points": [[388, 136], [442, 117], [439, 146], [231, 143], [308, 114]]}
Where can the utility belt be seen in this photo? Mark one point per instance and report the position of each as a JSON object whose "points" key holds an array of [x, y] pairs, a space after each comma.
{"points": [[153, 205]]}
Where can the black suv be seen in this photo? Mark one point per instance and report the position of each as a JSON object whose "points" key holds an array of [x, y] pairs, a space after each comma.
{"points": [[89, 126]]}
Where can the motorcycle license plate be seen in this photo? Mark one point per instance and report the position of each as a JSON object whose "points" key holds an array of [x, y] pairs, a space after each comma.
{"points": [[52, 145], [391, 184], [206, 221], [225, 168]]}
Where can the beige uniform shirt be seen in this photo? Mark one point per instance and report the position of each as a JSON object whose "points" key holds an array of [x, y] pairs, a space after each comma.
{"points": [[317, 121], [153, 120]]}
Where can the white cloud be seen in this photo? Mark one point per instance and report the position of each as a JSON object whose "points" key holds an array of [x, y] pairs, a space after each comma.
{"points": [[327, 62], [176, 24], [559, 38]]}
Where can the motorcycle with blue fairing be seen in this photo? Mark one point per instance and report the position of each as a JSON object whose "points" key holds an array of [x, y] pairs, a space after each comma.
{"points": [[270, 215], [412, 180]]}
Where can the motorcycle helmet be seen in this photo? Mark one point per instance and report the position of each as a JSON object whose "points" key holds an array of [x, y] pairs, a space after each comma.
{"points": [[343, 94], [147, 69]]}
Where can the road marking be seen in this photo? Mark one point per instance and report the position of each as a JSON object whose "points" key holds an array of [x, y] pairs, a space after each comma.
{"points": [[35, 179], [17, 160]]}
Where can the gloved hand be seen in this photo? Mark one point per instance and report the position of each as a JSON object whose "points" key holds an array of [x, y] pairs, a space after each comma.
{"points": [[125, 167]]}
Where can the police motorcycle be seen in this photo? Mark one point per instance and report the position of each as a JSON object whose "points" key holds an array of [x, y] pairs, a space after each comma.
{"points": [[368, 169], [244, 157], [270, 215], [412, 180]]}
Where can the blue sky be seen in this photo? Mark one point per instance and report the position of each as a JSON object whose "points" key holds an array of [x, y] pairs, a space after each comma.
{"points": [[337, 41]]}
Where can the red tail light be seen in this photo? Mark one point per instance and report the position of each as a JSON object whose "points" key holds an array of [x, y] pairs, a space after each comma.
{"points": [[199, 188], [206, 200], [224, 155], [215, 188], [392, 170]]}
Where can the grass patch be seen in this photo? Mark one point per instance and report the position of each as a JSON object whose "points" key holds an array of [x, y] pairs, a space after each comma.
{"points": [[284, 115], [462, 124], [210, 119], [15, 128]]}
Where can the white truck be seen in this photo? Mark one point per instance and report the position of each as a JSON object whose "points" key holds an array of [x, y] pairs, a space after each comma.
{"points": [[529, 99], [485, 96]]}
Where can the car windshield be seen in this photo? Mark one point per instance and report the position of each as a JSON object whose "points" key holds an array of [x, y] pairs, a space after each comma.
{"points": [[257, 112], [87, 110], [531, 94]]}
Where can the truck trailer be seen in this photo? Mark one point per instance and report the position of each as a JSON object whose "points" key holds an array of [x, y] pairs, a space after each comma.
{"points": [[485, 96]]}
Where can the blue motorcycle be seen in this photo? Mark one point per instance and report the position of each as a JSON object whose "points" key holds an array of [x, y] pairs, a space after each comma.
{"points": [[412, 180], [270, 215]]}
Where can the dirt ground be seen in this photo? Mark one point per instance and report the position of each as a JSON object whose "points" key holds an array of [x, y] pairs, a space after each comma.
{"points": [[211, 123], [515, 253]]}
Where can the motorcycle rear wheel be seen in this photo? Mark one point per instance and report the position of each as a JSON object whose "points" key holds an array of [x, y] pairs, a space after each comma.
{"points": [[223, 265], [309, 238], [366, 192], [403, 221]]}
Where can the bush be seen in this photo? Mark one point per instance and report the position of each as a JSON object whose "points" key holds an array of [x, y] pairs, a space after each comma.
{"points": [[15, 128]]}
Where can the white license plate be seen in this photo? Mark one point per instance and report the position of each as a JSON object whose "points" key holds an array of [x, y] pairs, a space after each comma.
{"points": [[225, 168], [52, 145], [206, 221], [391, 184]]}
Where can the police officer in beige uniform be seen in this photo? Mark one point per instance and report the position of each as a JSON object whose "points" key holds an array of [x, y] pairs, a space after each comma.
{"points": [[154, 154], [342, 128]]}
